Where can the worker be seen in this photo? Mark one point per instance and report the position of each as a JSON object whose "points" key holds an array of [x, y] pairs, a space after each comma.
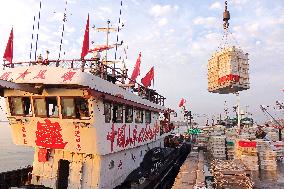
{"points": [[260, 134]]}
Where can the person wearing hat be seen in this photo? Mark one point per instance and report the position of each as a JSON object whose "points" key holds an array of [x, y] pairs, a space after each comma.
{"points": [[260, 134]]}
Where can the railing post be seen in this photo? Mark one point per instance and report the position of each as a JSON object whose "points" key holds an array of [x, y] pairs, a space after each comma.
{"points": [[83, 65], [72, 63], [57, 63]]}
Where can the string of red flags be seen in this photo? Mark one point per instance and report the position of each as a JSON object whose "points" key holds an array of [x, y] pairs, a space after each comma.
{"points": [[182, 102], [85, 47], [147, 80], [136, 70], [8, 54]]}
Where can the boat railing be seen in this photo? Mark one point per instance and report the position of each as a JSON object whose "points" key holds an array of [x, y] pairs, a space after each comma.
{"points": [[103, 69]]}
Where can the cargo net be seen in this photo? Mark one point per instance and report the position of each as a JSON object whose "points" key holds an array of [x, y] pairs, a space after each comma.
{"points": [[228, 68]]}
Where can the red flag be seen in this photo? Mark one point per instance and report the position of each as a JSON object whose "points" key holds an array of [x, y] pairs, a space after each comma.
{"points": [[8, 55], [181, 103], [85, 47], [146, 81], [136, 70]]}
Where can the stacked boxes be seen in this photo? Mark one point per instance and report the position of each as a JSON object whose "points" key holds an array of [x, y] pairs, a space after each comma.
{"points": [[248, 133], [246, 151], [278, 147], [202, 140], [273, 135], [228, 71], [230, 144], [267, 160], [217, 147], [267, 157], [231, 133]]}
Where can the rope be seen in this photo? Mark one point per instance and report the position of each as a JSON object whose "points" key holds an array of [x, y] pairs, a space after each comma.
{"points": [[62, 33], [37, 29]]}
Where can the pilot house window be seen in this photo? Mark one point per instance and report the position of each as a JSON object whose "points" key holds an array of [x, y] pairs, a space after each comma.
{"points": [[20, 106], [147, 116], [139, 116], [46, 107], [74, 107], [117, 113], [40, 108], [51, 106], [128, 114], [107, 111]]}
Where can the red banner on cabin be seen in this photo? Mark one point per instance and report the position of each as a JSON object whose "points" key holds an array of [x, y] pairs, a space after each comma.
{"points": [[85, 47], [251, 144], [146, 81], [48, 135], [136, 70], [8, 54], [43, 155]]}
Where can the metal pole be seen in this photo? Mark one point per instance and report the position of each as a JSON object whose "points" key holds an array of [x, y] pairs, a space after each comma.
{"points": [[108, 22]]}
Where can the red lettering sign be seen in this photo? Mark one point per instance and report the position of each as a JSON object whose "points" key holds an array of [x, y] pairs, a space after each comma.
{"points": [[23, 75], [40, 75], [48, 135], [78, 137], [5, 76], [24, 135], [43, 155], [126, 137], [68, 75], [111, 137]]}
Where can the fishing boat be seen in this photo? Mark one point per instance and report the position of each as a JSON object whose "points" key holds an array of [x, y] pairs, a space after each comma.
{"points": [[89, 124]]}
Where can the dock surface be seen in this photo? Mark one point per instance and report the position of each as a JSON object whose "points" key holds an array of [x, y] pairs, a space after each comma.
{"points": [[191, 172]]}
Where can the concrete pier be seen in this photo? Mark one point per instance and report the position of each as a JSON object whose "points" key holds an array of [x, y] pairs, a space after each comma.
{"points": [[191, 172]]}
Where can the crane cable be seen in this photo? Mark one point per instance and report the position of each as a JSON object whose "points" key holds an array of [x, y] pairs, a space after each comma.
{"points": [[227, 32]]}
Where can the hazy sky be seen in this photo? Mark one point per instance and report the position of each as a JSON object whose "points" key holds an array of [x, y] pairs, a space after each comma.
{"points": [[177, 37]]}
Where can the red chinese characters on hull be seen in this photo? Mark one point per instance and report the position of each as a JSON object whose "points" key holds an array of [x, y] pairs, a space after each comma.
{"points": [[48, 135], [78, 137], [5, 76], [125, 137]]}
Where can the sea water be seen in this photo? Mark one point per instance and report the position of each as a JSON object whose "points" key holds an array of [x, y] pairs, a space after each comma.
{"points": [[12, 156]]}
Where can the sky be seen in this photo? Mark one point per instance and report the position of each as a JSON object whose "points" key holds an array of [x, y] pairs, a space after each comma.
{"points": [[177, 37]]}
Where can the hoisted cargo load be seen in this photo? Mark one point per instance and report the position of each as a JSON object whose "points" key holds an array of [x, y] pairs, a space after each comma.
{"points": [[228, 69]]}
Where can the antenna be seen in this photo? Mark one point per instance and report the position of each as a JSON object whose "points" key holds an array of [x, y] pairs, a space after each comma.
{"points": [[37, 29], [37, 36], [62, 33]]}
